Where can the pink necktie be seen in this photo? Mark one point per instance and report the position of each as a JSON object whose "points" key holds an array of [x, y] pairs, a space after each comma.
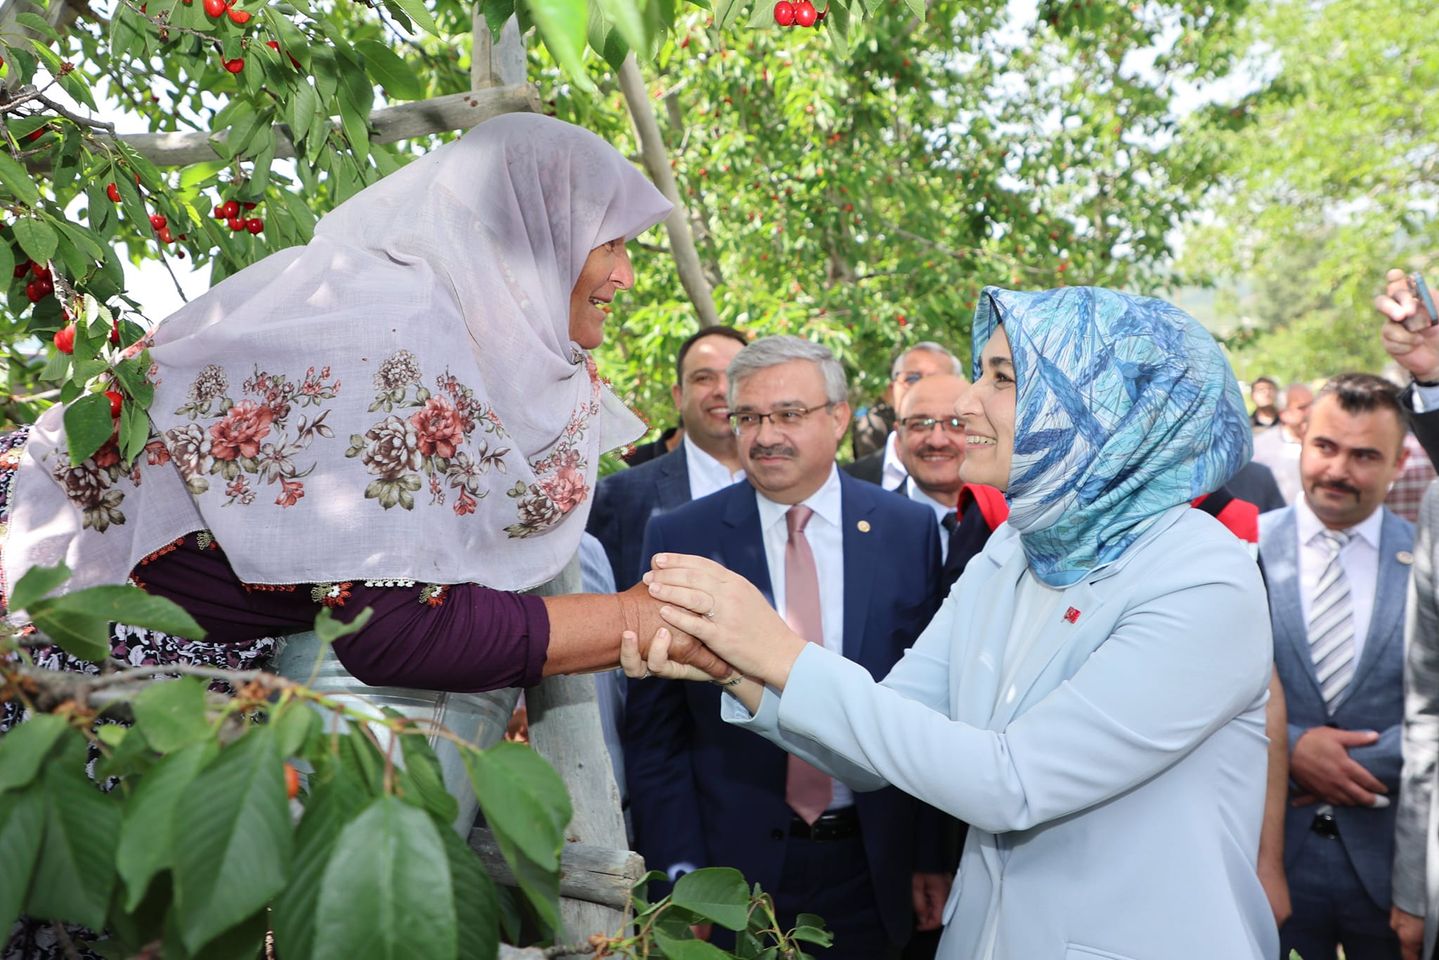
{"points": [[807, 791]]}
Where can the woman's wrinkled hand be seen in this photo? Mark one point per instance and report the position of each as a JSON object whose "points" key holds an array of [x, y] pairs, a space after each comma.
{"points": [[724, 612], [641, 616], [655, 659]]}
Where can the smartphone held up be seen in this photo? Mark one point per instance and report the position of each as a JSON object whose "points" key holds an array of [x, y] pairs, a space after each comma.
{"points": [[1426, 316]]}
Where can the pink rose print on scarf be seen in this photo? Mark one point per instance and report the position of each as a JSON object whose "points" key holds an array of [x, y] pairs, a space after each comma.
{"points": [[240, 432]]}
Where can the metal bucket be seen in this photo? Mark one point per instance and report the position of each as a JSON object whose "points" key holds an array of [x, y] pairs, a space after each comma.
{"points": [[479, 718]]}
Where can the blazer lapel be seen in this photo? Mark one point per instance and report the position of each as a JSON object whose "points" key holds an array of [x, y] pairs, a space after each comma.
{"points": [[1281, 567], [859, 545], [674, 480], [1386, 621], [744, 546]]}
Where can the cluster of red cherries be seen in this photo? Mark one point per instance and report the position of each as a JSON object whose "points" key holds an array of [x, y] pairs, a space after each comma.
{"points": [[41, 284], [801, 14], [229, 212]]}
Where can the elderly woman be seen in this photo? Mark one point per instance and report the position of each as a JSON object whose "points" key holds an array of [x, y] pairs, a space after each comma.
{"points": [[400, 415], [1091, 695]]}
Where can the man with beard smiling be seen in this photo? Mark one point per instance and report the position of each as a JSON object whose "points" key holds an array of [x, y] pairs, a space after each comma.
{"points": [[1338, 570], [853, 568]]}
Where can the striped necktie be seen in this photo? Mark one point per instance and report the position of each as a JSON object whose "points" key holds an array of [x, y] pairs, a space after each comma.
{"points": [[1331, 623]]}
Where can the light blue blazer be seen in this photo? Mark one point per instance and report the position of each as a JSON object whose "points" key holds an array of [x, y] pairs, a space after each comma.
{"points": [[1114, 789]]}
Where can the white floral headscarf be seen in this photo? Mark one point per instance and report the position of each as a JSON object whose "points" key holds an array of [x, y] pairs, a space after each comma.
{"points": [[398, 398]]}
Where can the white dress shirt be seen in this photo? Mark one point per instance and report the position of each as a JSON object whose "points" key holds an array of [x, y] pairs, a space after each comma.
{"points": [[1277, 450], [940, 512], [893, 473], [707, 475], [826, 542], [1360, 559], [1426, 399]]}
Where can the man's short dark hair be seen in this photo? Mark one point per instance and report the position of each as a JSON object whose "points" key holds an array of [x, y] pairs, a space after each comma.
{"points": [[1362, 393], [1259, 380], [715, 330]]}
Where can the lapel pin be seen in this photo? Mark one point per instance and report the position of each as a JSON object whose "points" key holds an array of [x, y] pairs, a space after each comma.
{"points": [[863, 526], [1404, 557], [1071, 615]]}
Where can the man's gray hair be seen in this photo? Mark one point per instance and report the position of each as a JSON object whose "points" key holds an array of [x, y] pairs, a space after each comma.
{"points": [[782, 348], [928, 346]]}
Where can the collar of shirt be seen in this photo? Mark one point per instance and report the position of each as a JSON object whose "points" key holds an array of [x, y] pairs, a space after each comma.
{"points": [[894, 472], [707, 475], [1310, 526], [825, 502], [919, 496]]}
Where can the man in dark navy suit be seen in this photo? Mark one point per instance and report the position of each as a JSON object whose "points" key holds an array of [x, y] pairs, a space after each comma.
{"points": [[852, 567], [703, 462]]}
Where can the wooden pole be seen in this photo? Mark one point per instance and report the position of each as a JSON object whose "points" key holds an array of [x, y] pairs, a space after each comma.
{"points": [[587, 872], [656, 160]]}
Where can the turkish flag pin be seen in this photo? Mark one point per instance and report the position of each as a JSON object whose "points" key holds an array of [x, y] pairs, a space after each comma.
{"points": [[1071, 615]]}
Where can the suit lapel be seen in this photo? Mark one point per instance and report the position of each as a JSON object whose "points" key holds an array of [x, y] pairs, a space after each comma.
{"points": [[1281, 567], [744, 547], [856, 505], [674, 480], [1386, 620]]}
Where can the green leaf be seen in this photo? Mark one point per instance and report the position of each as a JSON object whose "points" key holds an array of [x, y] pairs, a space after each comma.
{"points": [[76, 868], [679, 949], [302, 111], [171, 713], [87, 425], [81, 635], [814, 935], [422, 772], [390, 867], [18, 180], [727, 12], [134, 429], [25, 748], [147, 831], [36, 238], [22, 824], [336, 797], [522, 798], [718, 894], [477, 906], [38, 24], [122, 603], [564, 27], [293, 725], [390, 71], [329, 629], [38, 582], [418, 12], [236, 821], [629, 21]]}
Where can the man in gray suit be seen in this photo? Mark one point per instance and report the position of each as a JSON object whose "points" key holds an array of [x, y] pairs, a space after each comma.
{"points": [[1338, 570]]}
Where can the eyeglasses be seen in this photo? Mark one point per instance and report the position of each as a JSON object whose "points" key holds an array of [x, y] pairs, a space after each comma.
{"points": [[926, 424], [783, 417]]}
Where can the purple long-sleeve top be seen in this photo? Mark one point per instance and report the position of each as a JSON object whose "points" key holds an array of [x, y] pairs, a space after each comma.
{"points": [[462, 637]]}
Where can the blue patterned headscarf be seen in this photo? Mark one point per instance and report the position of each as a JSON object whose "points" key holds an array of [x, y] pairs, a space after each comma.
{"points": [[1125, 408]]}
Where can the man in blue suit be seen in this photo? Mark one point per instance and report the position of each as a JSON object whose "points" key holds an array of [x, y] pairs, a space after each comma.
{"points": [[704, 461], [1338, 568], [857, 566]]}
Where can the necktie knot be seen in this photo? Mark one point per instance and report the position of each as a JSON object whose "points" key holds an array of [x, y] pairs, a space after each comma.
{"points": [[796, 518], [950, 521], [1335, 540]]}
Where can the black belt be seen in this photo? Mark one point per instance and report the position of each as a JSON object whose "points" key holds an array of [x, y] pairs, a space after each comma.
{"points": [[1325, 825], [836, 825]]}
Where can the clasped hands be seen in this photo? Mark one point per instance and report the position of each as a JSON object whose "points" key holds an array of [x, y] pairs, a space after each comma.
{"points": [[701, 599]]}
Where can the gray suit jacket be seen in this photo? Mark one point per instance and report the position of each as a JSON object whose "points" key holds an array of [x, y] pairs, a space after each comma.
{"points": [[1374, 700], [1416, 832]]}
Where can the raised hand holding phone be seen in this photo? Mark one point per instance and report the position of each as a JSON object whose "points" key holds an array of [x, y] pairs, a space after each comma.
{"points": [[1411, 337]]}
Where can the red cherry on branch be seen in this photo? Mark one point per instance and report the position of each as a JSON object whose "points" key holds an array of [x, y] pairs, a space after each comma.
{"points": [[239, 17], [33, 294], [805, 14], [272, 44], [215, 8], [113, 192], [65, 339], [227, 210], [165, 235], [41, 271], [21, 269], [784, 13], [248, 205], [46, 286], [157, 221], [235, 65], [235, 224], [114, 331], [116, 402], [254, 224]]}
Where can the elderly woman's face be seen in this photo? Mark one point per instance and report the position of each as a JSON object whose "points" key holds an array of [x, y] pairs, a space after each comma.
{"points": [[987, 409], [606, 270]]}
